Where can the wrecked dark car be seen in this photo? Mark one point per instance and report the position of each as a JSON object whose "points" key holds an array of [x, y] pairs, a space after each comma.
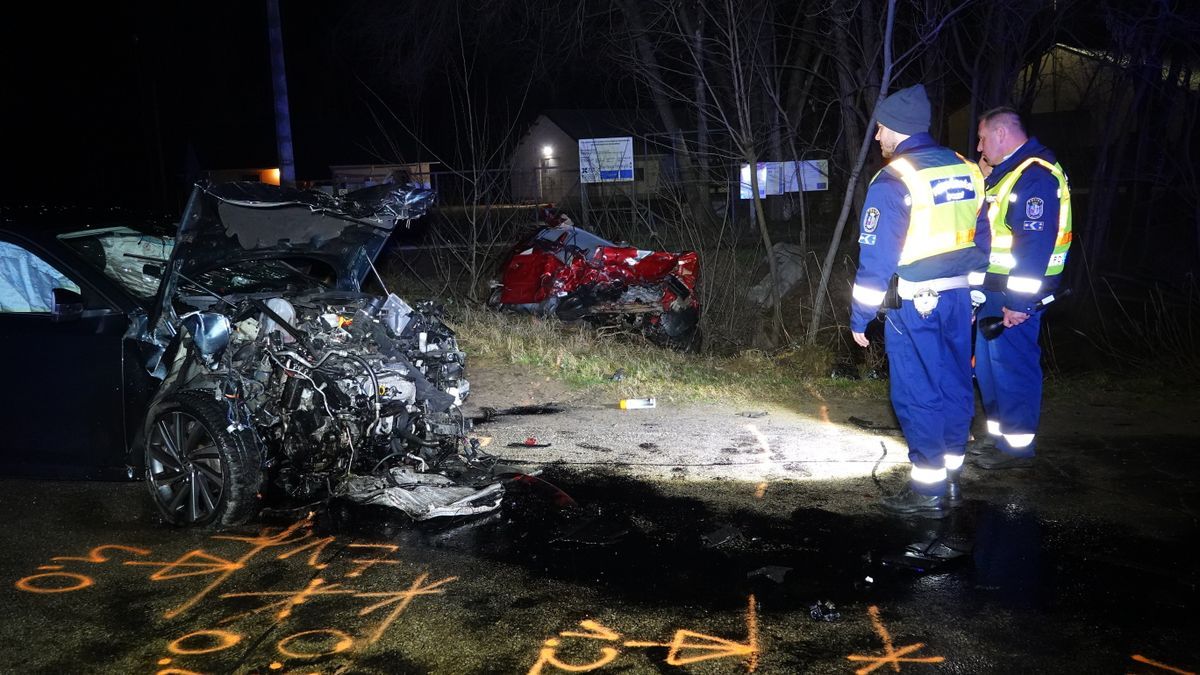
{"points": [[564, 271], [237, 363]]}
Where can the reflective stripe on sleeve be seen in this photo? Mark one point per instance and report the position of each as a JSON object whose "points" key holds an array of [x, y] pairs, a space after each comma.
{"points": [[868, 296], [1024, 284]]}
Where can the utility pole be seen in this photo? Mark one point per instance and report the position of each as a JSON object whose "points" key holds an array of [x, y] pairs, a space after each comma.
{"points": [[283, 122]]}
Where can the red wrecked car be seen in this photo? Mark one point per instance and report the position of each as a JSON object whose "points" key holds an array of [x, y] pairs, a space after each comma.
{"points": [[564, 271]]}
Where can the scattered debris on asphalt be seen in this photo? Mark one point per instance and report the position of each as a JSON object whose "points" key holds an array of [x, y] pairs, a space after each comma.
{"points": [[720, 536], [636, 403], [824, 610], [531, 442], [871, 426], [753, 414], [775, 573]]}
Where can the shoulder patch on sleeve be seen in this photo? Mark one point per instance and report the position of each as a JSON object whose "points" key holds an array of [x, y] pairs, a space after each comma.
{"points": [[1034, 207], [866, 239], [870, 220]]}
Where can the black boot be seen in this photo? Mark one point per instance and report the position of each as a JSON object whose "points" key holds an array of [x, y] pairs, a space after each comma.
{"points": [[954, 496], [911, 503], [997, 459], [981, 445]]}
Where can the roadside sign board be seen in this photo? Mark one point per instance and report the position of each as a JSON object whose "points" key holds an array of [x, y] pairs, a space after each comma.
{"points": [[605, 160]]}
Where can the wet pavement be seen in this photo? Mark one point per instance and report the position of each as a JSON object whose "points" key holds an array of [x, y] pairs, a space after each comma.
{"points": [[610, 562]]}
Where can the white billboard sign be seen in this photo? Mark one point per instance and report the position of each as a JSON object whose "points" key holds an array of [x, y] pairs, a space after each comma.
{"points": [[605, 160]]}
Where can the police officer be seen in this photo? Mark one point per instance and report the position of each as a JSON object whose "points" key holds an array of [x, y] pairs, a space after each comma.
{"points": [[1029, 211], [923, 222]]}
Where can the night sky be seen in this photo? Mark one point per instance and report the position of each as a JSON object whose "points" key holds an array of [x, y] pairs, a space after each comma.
{"points": [[125, 103]]}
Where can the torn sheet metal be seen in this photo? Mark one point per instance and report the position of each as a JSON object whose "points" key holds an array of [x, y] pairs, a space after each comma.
{"points": [[422, 496]]}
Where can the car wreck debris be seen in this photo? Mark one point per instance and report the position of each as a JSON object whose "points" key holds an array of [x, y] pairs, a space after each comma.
{"points": [[564, 271], [282, 382]]}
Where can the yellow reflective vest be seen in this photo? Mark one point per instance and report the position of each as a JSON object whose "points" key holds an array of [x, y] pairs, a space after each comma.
{"points": [[1001, 195], [945, 203]]}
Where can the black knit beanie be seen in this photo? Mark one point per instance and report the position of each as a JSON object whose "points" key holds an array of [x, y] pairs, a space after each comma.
{"points": [[905, 111]]}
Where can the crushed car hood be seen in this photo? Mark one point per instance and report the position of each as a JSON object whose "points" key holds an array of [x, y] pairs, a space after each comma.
{"points": [[228, 223], [239, 223]]}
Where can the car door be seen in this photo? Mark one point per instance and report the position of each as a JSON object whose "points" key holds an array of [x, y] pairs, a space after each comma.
{"points": [[63, 414]]}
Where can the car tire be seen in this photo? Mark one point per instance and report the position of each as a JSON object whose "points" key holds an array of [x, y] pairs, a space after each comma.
{"points": [[199, 473]]}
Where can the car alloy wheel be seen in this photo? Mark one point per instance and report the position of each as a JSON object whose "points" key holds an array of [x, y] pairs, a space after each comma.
{"points": [[197, 471]]}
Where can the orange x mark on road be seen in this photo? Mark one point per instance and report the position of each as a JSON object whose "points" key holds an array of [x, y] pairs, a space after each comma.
{"points": [[892, 656]]}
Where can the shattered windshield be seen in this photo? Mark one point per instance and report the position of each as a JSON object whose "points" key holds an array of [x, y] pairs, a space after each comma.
{"points": [[263, 275], [132, 259]]}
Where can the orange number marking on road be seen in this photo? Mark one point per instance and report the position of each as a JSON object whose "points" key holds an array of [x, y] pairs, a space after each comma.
{"points": [[702, 647], [892, 656], [364, 565], [402, 599], [315, 588], [32, 583], [96, 555], [343, 642]]}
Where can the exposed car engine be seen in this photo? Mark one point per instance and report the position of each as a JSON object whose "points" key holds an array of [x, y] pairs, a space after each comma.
{"points": [[331, 388]]}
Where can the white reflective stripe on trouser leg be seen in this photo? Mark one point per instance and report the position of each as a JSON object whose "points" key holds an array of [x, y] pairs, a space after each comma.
{"points": [[928, 476], [868, 296], [976, 278], [993, 428], [954, 462], [1018, 440]]}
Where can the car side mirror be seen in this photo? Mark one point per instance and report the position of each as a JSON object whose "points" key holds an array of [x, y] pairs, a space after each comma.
{"points": [[68, 305]]}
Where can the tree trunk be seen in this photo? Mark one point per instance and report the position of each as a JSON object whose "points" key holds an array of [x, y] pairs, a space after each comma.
{"points": [[814, 326]]}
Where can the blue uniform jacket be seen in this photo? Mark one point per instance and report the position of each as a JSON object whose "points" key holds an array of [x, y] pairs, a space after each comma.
{"points": [[1033, 218], [882, 229]]}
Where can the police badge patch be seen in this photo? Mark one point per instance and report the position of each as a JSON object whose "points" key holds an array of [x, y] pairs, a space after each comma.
{"points": [[1034, 208], [870, 220]]}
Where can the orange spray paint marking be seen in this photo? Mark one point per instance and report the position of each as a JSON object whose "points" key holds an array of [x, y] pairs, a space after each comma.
{"points": [[402, 599], [96, 555], [893, 656], [343, 643], [163, 662], [596, 631], [276, 666], [315, 588], [708, 647], [50, 567], [223, 568], [318, 547], [548, 656], [1161, 666], [364, 565], [33, 584], [218, 640]]}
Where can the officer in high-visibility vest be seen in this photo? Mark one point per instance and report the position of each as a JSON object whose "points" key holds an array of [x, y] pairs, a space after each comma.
{"points": [[922, 222], [1029, 211]]}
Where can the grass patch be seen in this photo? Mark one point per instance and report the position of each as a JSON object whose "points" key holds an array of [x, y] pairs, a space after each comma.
{"points": [[580, 356]]}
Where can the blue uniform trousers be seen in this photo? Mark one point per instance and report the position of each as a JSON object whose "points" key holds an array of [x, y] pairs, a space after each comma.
{"points": [[1009, 371], [929, 363]]}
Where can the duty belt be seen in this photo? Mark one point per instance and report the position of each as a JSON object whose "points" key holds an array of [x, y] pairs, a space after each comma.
{"points": [[907, 289]]}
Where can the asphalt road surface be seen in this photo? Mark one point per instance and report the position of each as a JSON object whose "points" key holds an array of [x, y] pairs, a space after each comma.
{"points": [[682, 539]]}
